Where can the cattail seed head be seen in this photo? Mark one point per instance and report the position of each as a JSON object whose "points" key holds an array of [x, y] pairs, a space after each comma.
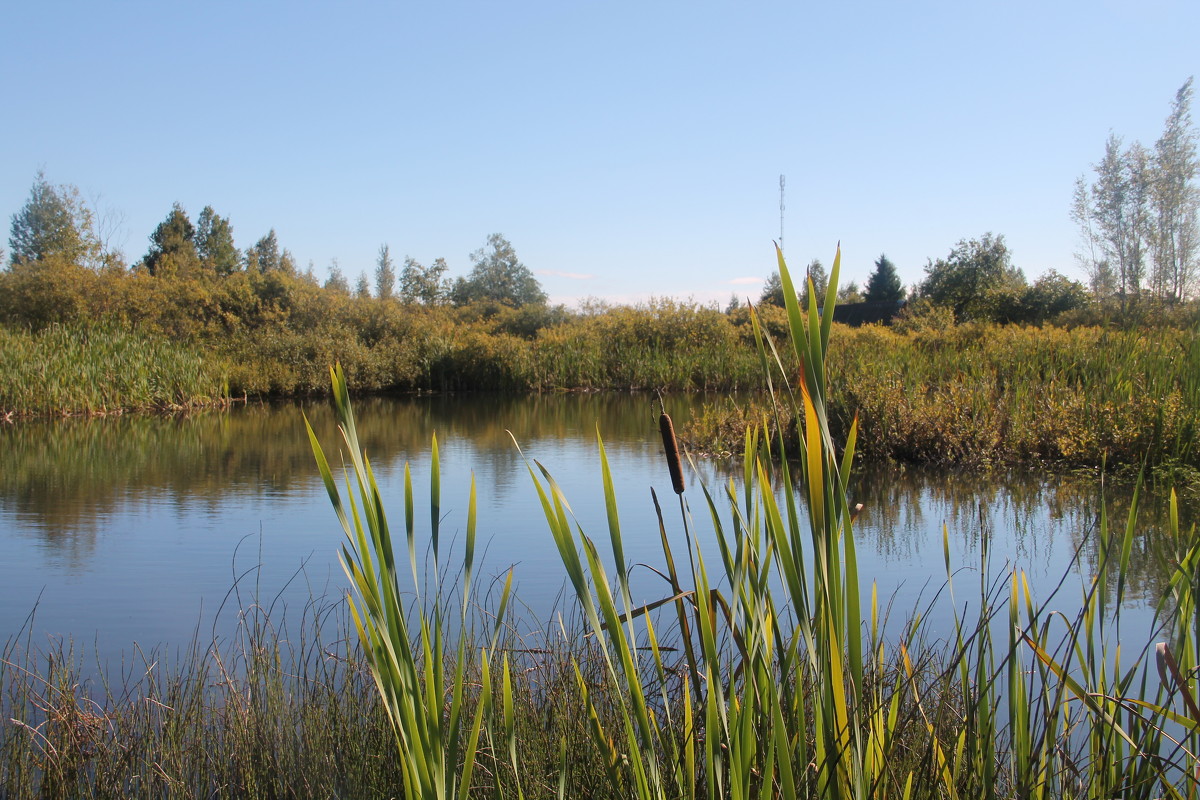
{"points": [[672, 450]]}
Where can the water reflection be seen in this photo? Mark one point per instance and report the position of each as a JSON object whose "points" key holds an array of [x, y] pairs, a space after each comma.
{"points": [[64, 478], [1042, 523], [107, 514]]}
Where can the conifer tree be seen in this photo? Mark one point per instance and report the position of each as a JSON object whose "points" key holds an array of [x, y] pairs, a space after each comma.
{"points": [[214, 243], [385, 274], [336, 282], [173, 245], [883, 285], [264, 256]]}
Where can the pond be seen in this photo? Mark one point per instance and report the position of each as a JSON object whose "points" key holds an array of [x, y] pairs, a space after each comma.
{"points": [[157, 529]]}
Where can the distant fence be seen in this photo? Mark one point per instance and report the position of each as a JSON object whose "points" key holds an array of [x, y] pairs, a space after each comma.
{"points": [[856, 314]]}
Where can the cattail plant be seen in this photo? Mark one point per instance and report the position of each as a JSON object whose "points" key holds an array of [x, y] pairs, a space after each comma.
{"points": [[436, 712], [671, 448]]}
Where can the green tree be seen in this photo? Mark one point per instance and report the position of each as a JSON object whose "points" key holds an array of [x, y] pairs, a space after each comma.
{"points": [[214, 243], [336, 282], [54, 223], [173, 246], [424, 285], [976, 280], [1091, 257], [1114, 216], [849, 294], [266, 256], [1050, 295], [883, 285], [362, 288], [310, 275], [385, 274], [815, 272], [772, 292], [1139, 218], [498, 276]]}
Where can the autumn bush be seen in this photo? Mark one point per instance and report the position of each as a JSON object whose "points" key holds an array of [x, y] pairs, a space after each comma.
{"points": [[925, 390], [985, 394]]}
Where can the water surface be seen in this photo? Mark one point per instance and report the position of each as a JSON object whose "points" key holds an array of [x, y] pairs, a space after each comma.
{"points": [[138, 529]]}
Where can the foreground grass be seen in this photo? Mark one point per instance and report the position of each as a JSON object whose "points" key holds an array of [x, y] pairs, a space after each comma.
{"points": [[280, 710], [784, 679]]}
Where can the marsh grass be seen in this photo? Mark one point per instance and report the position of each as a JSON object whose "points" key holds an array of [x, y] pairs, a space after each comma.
{"points": [[101, 370], [988, 395], [970, 394], [265, 714], [278, 709]]}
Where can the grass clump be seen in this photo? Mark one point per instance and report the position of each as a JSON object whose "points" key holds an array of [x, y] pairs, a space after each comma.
{"points": [[266, 714], [67, 369]]}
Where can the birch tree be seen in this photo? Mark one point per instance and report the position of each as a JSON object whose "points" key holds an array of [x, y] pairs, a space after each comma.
{"points": [[1176, 201], [1139, 218]]}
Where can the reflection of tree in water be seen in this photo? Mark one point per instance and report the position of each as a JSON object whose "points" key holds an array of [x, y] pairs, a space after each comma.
{"points": [[482, 423], [66, 478], [1034, 515]]}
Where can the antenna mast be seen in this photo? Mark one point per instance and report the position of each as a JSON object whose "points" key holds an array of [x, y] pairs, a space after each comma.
{"points": [[782, 181]]}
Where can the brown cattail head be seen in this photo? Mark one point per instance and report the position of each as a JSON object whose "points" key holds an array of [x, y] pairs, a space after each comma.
{"points": [[672, 449]]}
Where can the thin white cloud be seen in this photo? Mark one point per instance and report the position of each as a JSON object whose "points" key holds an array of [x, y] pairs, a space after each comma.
{"points": [[743, 281], [575, 276]]}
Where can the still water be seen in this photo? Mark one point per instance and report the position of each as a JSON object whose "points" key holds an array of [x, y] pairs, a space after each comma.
{"points": [[153, 530]]}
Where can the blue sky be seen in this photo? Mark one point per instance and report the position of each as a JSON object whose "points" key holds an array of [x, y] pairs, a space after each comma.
{"points": [[627, 150]]}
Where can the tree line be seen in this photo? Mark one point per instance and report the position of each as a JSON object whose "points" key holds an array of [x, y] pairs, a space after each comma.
{"points": [[56, 224], [1139, 219]]}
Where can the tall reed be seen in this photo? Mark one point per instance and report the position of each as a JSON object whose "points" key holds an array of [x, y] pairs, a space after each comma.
{"points": [[436, 716], [784, 678]]}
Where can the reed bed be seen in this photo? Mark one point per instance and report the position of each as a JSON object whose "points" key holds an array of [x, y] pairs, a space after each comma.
{"points": [[262, 715], [101, 370], [988, 395], [279, 709]]}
